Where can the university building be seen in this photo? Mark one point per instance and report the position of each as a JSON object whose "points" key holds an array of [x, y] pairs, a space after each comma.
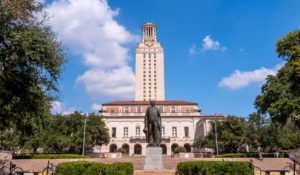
{"points": [[182, 121]]}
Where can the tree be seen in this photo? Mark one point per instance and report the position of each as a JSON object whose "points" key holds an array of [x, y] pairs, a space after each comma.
{"points": [[231, 134], [288, 49], [65, 133], [280, 96], [31, 60]]}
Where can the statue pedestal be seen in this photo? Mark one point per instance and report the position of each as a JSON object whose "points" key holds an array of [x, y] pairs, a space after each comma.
{"points": [[154, 159]]}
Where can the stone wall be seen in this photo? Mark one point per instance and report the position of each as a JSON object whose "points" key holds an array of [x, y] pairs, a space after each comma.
{"points": [[5, 155]]}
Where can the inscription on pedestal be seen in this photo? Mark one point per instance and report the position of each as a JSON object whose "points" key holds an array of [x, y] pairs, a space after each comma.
{"points": [[153, 158]]}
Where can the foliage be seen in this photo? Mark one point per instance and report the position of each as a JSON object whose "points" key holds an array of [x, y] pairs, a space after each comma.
{"points": [[215, 168], [93, 168], [288, 48], [180, 149], [280, 96], [257, 130], [50, 156], [31, 60], [231, 134], [121, 150], [62, 134], [252, 155]]}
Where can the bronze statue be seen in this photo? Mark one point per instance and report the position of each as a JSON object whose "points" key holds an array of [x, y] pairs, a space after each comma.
{"points": [[152, 128]]}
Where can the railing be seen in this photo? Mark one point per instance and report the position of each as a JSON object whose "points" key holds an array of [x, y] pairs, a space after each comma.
{"points": [[144, 138], [142, 114]]}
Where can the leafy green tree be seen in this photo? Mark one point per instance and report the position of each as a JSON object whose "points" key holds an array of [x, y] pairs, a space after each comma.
{"points": [[31, 61], [280, 96], [65, 133], [231, 134], [288, 48]]}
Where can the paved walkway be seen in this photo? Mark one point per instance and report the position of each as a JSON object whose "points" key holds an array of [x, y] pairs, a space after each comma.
{"points": [[138, 162]]}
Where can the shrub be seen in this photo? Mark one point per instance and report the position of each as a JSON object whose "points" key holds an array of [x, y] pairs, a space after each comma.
{"points": [[93, 168], [121, 168], [215, 168], [121, 150], [252, 155], [50, 156], [180, 149]]}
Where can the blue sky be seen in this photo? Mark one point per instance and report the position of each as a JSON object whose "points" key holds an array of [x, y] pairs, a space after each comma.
{"points": [[217, 52]]}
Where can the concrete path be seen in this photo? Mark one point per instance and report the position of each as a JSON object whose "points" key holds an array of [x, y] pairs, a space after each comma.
{"points": [[138, 162]]}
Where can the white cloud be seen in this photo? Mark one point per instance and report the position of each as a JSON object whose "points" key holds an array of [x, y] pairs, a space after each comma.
{"points": [[110, 84], [88, 29], [241, 79], [58, 107], [192, 50], [96, 107], [210, 44]]}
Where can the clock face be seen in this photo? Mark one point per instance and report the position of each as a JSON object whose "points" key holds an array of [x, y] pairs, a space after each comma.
{"points": [[149, 43]]}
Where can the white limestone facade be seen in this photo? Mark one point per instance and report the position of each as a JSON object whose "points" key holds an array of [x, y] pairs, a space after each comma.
{"points": [[149, 67], [182, 125]]}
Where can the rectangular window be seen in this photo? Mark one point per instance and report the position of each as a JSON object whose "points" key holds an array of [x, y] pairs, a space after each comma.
{"points": [[144, 55], [186, 131], [126, 109], [174, 131], [187, 110], [139, 109], [149, 55], [154, 55], [125, 131], [154, 60], [113, 133], [137, 131], [163, 132], [112, 111], [173, 108], [149, 64]]}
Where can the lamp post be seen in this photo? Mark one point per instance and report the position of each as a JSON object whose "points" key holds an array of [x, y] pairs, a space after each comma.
{"points": [[84, 134], [217, 148]]}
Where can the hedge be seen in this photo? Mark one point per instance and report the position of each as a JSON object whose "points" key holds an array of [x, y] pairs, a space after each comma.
{"points": [[93, 168], [50, 156], [253, 155], [215, 168]]}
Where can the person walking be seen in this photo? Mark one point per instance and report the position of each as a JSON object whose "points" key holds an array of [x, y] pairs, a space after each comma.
{"points": [[276, 152], [172, 154], [260, 153]]}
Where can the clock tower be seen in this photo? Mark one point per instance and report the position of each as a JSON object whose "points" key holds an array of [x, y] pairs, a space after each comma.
{"points": [[149, 67]]}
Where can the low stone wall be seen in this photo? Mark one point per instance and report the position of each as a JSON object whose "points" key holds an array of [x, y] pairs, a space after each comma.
{"points": [[186, 155], [5, 155], [294, 154], [114, 155]]}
